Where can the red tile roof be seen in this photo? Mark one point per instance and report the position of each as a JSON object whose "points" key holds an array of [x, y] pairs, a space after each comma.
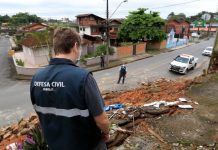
{"points": [[35, 26], [86, 15]]}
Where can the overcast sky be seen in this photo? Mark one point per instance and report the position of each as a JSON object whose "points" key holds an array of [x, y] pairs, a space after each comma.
{"points": [[58, 9]]}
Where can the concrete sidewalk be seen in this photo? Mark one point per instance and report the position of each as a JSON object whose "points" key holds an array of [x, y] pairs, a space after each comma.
{"points": [[93, 68], [97, 67]]}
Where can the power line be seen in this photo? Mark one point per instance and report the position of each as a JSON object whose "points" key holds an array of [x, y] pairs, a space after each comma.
{"points": [[175, 4]]}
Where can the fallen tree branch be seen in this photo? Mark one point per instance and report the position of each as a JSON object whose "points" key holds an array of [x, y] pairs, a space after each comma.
{"points": [[130, 125], [124, 130]]}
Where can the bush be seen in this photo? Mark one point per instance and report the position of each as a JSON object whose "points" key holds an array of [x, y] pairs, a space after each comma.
{"points": [[89, 55], [20, 62], [103, 49], [35, 140]]}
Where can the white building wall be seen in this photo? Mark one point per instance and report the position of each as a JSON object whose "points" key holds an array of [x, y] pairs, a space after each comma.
{"points": [[41, 56], [84, 30], [36, 57], [28, 55]]}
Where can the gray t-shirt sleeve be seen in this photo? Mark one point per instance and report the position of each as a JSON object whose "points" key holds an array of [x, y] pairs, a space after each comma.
{"points": [[93, 97]]}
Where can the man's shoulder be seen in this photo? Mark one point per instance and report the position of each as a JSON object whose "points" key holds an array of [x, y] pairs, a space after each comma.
{"points": [[68, 69], [74, 70]]}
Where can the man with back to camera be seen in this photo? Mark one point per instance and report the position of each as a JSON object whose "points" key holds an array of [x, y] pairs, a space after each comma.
{"points": [[67, 99]]}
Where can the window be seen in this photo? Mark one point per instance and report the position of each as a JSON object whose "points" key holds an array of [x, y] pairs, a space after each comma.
{"points": [[84, 29], [181, 59], [209, 48], [94, 30]]}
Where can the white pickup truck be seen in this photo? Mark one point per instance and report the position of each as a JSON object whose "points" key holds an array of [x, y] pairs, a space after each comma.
{"points": [[183, 63]]}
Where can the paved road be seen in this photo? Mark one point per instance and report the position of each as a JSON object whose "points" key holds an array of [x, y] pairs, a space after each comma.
{"points": [[14, 95], [153, 68]]}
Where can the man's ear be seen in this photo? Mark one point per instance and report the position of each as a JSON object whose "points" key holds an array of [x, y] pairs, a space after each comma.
{"points": [[76, 45]]}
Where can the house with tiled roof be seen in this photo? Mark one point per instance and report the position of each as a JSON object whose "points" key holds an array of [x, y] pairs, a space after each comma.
{"points": [[90, 24], [34, 27], [114, 28], [180, 27], [91, 31], [92, 28]]}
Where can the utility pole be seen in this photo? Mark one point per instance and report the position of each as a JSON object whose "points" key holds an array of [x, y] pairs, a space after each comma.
{"points": [[107, 34], [107, 29]]}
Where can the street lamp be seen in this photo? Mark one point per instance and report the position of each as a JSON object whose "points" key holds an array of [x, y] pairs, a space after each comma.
{"points": [[118, 7], [107, 29]]}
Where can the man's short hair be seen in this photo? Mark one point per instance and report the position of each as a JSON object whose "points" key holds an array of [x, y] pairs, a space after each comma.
{"points": [[64, 39]]}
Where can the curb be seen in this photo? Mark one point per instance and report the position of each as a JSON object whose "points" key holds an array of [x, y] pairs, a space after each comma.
{"points": [[23, 77], [118, 64]]}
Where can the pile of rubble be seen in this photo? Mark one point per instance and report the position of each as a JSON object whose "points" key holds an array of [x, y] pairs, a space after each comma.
{"points": [[162, 97], [133, 119], [16, 133], [162, 89]]}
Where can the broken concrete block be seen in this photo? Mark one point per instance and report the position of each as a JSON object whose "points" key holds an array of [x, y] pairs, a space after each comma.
{"points": [[185, 106], [182, 100]]}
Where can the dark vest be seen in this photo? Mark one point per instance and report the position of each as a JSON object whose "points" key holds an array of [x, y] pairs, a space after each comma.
{"points": [[57, 93]]}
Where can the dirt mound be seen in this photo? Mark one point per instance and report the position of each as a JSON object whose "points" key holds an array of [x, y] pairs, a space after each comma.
{"points": [[132, 119], [159, 90]]}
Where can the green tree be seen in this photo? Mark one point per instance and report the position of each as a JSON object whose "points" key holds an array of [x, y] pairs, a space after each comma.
{"points": [[170, 16], [24, 18], [179, 17], [4, 19], [140, 24], [102, 49]]}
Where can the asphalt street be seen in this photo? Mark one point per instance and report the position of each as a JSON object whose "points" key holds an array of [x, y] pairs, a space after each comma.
{"points": [[14, 95], [153, 68]]}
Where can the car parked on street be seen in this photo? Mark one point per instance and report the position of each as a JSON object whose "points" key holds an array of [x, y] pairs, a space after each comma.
{"points": [[208, 51], [183, 63]]}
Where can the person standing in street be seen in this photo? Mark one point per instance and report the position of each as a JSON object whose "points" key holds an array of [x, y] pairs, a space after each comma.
{"points": [[102, 60], [67, 99], [122, 73]]}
